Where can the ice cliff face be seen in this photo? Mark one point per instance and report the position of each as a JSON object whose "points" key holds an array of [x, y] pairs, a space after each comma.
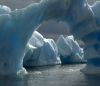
{"points": [[41, 51], [69, 50], [84, 21], [16, 28]]}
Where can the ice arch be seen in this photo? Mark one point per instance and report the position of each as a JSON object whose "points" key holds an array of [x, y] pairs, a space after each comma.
{"points": [[16, 27]]}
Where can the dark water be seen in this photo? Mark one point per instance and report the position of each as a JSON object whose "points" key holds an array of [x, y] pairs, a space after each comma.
{"points": [[52, 76]]}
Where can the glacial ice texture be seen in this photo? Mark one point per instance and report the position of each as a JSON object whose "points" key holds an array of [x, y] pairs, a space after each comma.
{"points": [[16, 28], [84, 21], [69, 50], [41, 51]]}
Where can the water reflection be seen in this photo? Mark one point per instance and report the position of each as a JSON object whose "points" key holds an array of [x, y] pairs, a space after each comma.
{"points": [[69, 75]]}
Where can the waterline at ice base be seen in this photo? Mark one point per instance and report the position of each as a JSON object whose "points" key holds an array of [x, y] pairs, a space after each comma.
{"points": [[17, 28], [84, 21], [69, 50], [41, 52]]}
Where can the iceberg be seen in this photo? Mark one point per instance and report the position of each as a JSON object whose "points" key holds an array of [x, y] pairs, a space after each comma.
{"points": [[37, 40], [93, 45], [69, 50], [16, 28], [84, 22], [41, 51]]}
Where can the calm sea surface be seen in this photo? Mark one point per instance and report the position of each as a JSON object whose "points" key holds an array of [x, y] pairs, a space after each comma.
{"points": [[68, 75]]}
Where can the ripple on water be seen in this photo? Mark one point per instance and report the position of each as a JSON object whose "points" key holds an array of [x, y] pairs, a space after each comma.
{"points": [[68, 75]]}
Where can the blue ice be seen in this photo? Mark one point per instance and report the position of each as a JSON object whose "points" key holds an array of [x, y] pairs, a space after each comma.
{"points": [[84, 22], [41, 51], [16, 28], [69, 50]]}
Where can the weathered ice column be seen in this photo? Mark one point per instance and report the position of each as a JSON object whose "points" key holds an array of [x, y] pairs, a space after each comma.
{"points": [[84, 21]]}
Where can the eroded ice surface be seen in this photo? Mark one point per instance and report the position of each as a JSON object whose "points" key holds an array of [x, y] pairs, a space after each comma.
{"points": [[41, 51], [69, 50], [84, 22], [16, 28]]}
